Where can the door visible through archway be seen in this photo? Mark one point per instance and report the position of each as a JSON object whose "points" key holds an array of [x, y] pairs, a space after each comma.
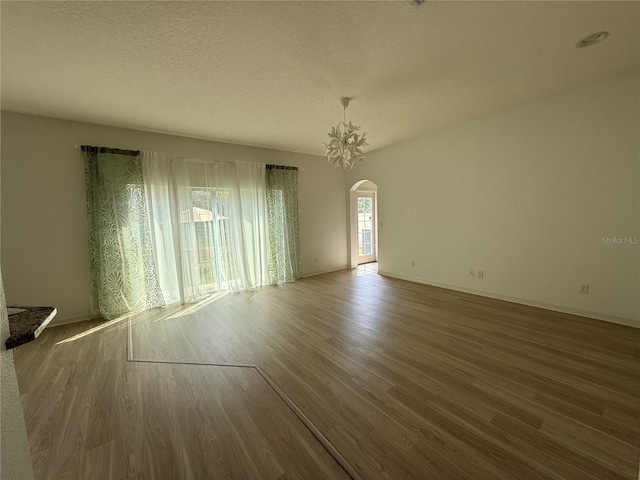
{"points": [[363, 223], [366, 221]]}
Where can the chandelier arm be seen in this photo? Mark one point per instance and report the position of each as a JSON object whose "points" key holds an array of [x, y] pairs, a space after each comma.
{"points": [[345, 144]]}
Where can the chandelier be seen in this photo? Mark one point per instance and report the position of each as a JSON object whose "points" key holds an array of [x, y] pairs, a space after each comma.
{"points": [[346, 145]]}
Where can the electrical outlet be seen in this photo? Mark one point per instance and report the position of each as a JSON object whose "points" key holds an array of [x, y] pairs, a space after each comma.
{"points": [[413, 263], [471, 272], [584, 288], [315, 259], [480, 273]]}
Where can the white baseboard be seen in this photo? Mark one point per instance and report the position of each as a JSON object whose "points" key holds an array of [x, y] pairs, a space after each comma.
{"points": [[630, 322], [322, 272], [65, 321]]}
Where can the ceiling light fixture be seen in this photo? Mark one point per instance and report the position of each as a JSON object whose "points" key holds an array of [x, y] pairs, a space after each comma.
{"points": [[346, 146], [592, 39]]}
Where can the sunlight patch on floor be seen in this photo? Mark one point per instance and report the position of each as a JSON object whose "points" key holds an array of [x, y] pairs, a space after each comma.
{"points": [[96, 329], [367, 268], [194, 307]]}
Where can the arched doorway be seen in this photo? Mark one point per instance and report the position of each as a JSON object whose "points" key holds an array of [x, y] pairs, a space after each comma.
{"points": [[363, 223]]}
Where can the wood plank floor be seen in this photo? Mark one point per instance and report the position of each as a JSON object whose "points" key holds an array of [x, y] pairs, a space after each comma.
{"points": [[405, 380]]}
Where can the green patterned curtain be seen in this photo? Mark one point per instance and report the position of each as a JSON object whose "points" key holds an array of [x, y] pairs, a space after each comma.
{"points": [[282, 219], [123, 272]]}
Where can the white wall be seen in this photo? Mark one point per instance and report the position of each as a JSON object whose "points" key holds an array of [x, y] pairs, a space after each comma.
{"points": [[15, 456], [45, 259], [527, 196]]}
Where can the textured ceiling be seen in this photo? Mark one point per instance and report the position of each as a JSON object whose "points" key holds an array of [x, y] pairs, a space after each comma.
{"points": [[271, 73]]}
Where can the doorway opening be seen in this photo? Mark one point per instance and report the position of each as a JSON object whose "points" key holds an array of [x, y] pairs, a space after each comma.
{"points": [[363, 225]]}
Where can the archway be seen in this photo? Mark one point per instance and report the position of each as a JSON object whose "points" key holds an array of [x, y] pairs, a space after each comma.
{"points": [[363, 223]]}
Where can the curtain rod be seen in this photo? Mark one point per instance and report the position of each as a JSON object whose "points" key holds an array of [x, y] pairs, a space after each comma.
{"points": [[268, 166], [279, 167], [135, 153], [115, 151]]}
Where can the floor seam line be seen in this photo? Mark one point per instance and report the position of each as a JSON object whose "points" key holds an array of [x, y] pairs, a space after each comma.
{"points": [[315, 431]]}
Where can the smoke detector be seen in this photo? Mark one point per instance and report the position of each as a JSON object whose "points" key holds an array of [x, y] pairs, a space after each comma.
{"points": [[592, 39]]}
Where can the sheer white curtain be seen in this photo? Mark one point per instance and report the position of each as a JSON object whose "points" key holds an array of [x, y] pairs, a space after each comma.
{"points": [[208, 222]]}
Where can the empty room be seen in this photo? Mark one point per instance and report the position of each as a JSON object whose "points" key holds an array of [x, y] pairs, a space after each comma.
{"points": [[368, 240]]}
